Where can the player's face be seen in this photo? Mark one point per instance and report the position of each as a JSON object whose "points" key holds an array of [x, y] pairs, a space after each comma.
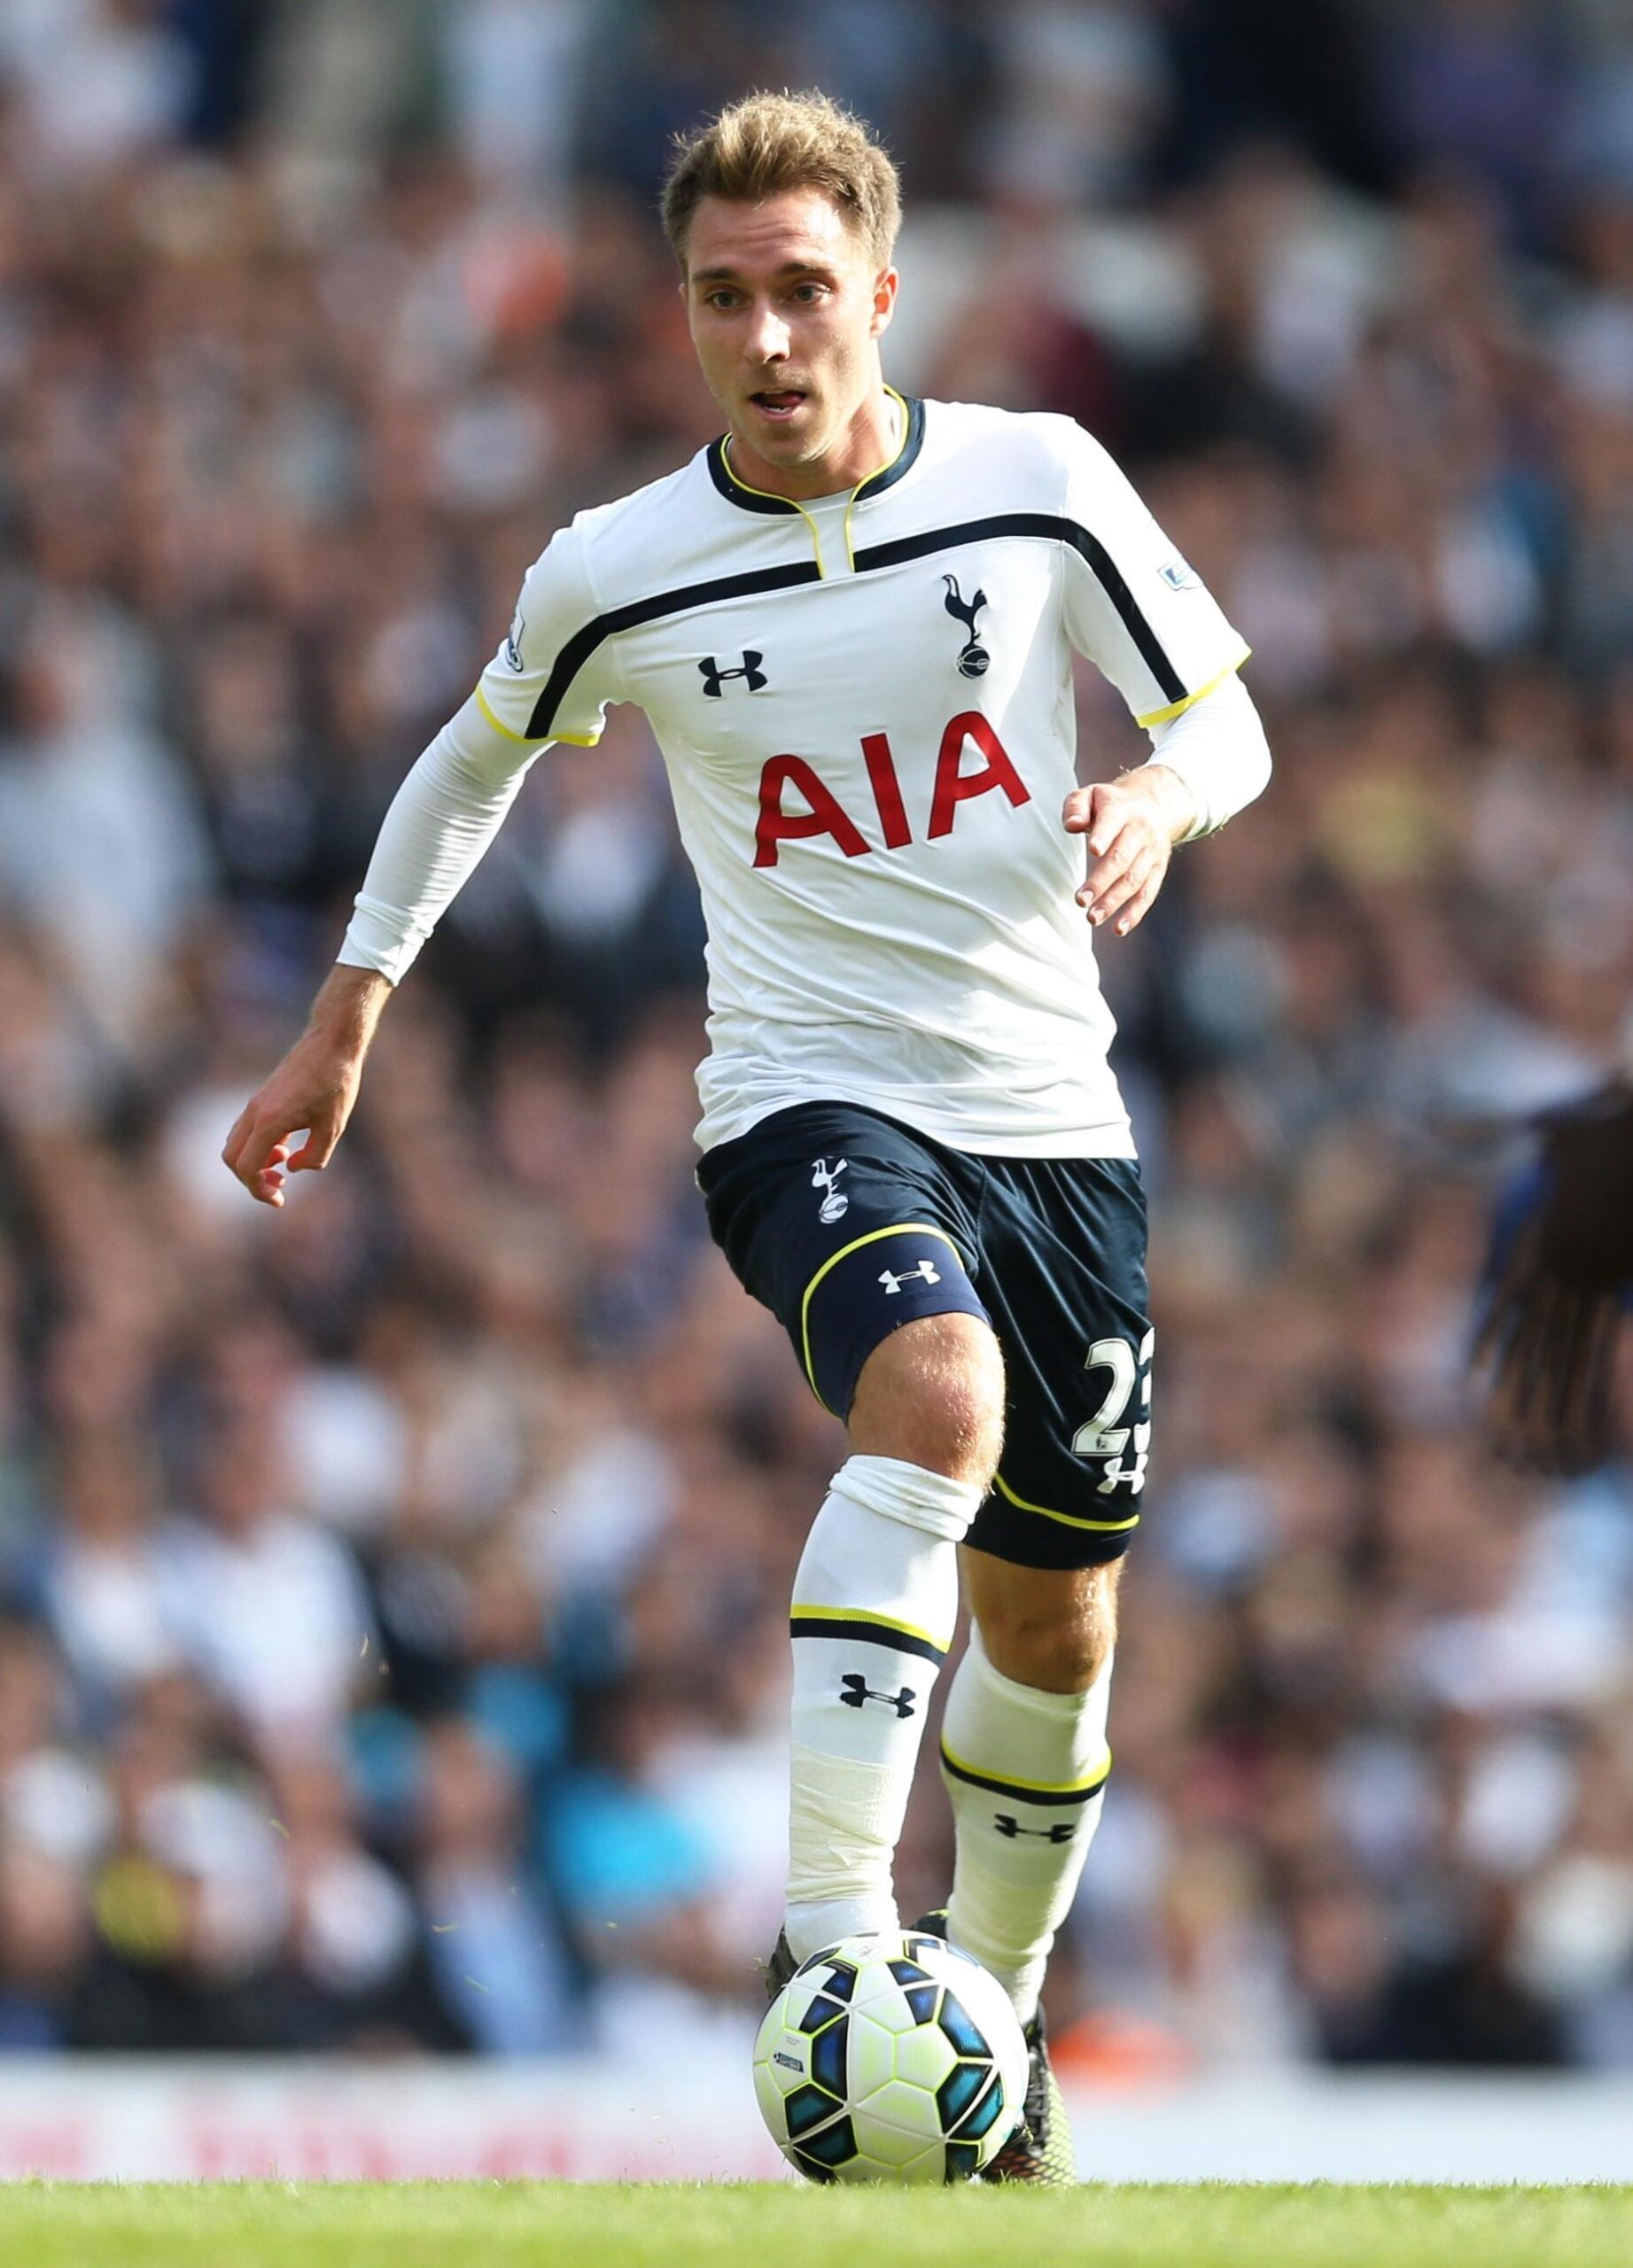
{"points": [[786, 308]]}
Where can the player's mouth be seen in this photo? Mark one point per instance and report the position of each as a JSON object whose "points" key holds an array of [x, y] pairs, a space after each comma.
{"points": [[778, 405]]}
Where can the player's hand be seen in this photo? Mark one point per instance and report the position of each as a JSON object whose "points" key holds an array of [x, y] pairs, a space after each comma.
{"points": [[312, 1091], [1132, 824]]}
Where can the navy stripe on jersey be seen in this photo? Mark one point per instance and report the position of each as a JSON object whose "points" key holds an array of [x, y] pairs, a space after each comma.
{"points": [[583, 643], [1051, 528]]}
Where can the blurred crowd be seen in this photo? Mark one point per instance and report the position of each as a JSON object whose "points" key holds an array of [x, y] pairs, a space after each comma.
{"points": [[393, 1590]]}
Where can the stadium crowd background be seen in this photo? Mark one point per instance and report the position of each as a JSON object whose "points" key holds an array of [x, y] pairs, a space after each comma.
{"points": [[392, 1642]]}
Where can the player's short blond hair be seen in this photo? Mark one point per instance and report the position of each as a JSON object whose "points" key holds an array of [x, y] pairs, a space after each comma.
{"points": [[769, 143]]}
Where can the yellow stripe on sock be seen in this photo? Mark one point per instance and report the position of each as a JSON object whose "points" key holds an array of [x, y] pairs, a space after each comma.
{"points": [[797, 1613], [1090, 1780]]}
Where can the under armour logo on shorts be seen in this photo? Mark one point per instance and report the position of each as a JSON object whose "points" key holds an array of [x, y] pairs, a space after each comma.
{"points": [[927, 1271]]}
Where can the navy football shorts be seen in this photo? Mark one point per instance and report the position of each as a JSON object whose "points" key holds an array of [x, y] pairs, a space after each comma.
{"points": [[846, 1225]]}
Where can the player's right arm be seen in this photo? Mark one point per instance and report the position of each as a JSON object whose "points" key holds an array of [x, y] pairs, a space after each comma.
{"points": [[441, 820]]}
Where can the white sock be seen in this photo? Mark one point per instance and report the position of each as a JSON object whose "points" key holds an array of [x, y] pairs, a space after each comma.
{"points": [[875, 1600], [1024, 1770]]}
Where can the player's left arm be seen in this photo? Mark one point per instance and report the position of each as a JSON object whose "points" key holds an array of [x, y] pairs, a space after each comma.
{"points": [[1143, 616], [1206, 764]]}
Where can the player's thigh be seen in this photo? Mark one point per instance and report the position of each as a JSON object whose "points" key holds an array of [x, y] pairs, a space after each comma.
{"points": [[1063, 1274], [848, 1227]]}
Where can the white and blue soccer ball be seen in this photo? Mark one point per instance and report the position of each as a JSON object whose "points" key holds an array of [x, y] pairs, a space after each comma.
{"points": [[893, 2057]]}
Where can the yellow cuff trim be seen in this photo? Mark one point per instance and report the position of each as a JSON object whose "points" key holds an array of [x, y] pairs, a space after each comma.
{"points": [[879, 1621], [1090, 1780], [901, 1228], [524, 740], [1066, 1519], [1178, 708]]}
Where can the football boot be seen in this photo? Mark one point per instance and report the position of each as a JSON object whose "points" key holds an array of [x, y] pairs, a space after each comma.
{"points": [[1040, 2148]]}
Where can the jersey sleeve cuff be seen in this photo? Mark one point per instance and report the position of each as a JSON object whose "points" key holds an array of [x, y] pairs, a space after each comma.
{"points": [[374, 938]]}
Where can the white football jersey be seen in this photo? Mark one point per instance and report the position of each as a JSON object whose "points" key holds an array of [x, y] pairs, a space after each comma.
{"points": [[865, 704]]}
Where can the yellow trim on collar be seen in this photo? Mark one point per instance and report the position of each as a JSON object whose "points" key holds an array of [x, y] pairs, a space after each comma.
{"points": [[1178, 708], [907, 427], [748, 489], [1067, 1519], [574, 740]]}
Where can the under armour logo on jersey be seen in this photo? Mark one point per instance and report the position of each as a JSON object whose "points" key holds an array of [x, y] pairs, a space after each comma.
{"points": [[834, 1205], [1008, 1824], [973, 660], [715, 677], [926, 1270], [857, 1693]]}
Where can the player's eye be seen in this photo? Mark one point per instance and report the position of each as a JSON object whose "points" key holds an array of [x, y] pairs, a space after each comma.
{"points": [[720, 298], [809, 293]]}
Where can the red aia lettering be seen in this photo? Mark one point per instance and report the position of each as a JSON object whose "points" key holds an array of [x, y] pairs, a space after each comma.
{"points": [[954, 786], [886, 791], [826, 816]]}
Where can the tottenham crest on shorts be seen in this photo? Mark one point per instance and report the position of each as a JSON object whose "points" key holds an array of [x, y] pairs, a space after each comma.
{"points": [[835, 1203]]}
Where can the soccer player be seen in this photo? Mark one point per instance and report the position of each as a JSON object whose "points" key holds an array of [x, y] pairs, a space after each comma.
{"points": [[851, 621]]}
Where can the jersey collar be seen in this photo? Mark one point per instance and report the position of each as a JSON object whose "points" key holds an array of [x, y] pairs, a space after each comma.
{"points": [[759, 500]]}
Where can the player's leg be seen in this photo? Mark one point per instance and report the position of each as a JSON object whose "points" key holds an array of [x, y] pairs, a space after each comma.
{"points": [[855, 1231], [875, 1600], [1024, 1757]]}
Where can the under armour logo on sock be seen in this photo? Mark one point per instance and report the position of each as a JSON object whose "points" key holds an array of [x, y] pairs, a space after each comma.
{"points": [[927, 1269], [858, 1692], [1008, 1824], [714, 676]]}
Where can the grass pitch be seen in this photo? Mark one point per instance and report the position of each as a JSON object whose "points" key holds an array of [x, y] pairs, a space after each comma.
{"points": [[458, 2225]]}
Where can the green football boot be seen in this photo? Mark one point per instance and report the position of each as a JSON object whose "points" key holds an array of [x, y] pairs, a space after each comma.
{"points": [[1040, 2148]]}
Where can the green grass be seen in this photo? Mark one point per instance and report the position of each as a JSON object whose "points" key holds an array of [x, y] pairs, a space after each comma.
{"points": [[275, 2224]]}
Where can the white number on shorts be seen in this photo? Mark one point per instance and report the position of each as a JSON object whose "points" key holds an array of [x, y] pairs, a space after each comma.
{"points": [[1103, 1436]]}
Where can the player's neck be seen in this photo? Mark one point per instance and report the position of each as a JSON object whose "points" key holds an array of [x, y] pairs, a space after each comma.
{"points": [[867, 445]]}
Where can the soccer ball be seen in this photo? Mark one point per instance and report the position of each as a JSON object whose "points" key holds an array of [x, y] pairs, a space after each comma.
{"points": [[893, 2057]]}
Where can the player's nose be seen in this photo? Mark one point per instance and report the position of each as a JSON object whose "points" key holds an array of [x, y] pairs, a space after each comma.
{"points": [[768, 340]]}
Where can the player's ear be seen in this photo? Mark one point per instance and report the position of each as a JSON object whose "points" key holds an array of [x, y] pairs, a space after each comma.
{"points": [[885, 291]]}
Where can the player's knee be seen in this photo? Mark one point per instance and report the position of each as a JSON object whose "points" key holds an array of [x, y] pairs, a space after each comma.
{"points": [[1052, 1633], [933, 1393]]}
